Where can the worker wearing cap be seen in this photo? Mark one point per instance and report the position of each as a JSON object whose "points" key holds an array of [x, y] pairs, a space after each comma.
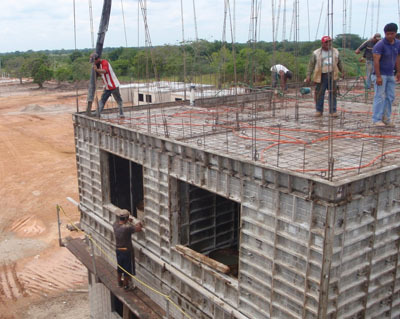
{"points": [[111, 84], [386, 59], [123, 231], [323, 69], [281, 73], [367, 46]]}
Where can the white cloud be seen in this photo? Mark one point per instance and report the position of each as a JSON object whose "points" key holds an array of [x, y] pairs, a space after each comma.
{"points": [[49, 24]]}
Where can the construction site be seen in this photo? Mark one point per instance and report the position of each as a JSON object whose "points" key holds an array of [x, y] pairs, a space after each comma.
{"points": [[252, 208]]}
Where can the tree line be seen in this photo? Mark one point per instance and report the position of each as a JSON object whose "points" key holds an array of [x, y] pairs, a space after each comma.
{"points": [[199, 61]]}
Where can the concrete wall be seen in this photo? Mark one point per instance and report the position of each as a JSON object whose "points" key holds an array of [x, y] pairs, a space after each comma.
{"points": [[308, 248]]}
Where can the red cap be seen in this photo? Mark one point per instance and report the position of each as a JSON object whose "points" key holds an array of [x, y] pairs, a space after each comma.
{"points": [[326, 38]]}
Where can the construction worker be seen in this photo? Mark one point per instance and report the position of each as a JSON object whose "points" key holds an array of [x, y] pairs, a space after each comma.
{"points": [[386, 59], [123, 230], [111, 84], [281, 73], [324, 66], [369, 60]]}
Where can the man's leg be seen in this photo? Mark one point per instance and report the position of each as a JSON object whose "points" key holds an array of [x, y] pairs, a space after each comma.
{"points": [[379, 100], [369, 67], [128, 268], [332, 87], [320, 94], [390, 96], [119, 270], [104, 97], [117, 97]]}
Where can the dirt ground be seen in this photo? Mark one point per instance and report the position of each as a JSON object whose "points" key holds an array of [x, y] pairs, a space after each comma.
{"points": [[38, 279]]}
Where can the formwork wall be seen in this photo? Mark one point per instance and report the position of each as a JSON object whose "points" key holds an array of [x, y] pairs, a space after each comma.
{"points": [[308, 248]]}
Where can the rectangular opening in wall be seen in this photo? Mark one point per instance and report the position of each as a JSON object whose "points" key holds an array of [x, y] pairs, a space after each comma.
{"points": [[140, 97], [209, 224], [116, 305], [148, 98], [126, 183]]}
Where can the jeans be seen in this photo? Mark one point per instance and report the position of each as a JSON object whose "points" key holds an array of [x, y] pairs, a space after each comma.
{"points": [[117, 97], [383, 98], [326, 83], [369, 69]]}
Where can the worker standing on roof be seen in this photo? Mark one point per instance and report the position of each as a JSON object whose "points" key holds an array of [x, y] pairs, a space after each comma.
{"points": [[369, 60], [123, 231], [280, 73], [111, 84], [324, 67], [386, 59]]}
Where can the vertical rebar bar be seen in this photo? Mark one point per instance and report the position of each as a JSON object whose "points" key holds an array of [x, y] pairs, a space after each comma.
{"points": [[361, 156], [93, 257], [204, 137], [59, 227], [383, 148], [279, 143], [304, 157]]}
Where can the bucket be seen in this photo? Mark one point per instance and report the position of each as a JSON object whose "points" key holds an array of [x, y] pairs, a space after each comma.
{"points": [[305, 90]]}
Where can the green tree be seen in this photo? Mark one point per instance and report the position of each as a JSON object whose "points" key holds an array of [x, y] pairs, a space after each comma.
{"points": [[63, 74], [16, 67], [41, 75]]}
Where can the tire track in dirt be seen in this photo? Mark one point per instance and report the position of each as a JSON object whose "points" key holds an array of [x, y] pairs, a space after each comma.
{"points": [[28, 226], [10, 285], [59, 271]]}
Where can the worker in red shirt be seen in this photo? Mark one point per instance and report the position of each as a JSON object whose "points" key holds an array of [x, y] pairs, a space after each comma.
{"points": [[111, 84]]}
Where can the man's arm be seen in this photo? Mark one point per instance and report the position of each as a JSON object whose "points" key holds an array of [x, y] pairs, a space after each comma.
{"points": [[311, 66], [361, 47], [398, 68], [283, 80], [377, 58], [340, 65], [98, 70]]}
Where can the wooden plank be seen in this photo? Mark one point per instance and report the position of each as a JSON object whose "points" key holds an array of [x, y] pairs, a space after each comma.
{"points": [[136, 300], [203, 259]]}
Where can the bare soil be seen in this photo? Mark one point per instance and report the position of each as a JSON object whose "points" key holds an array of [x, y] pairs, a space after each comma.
{"points": [[38, 279]]}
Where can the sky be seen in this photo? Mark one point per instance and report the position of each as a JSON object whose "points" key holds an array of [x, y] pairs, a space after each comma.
{"points": [[49, 24]]}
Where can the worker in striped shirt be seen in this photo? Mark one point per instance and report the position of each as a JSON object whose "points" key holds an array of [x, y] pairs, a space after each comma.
{"points": [[111, 84]]}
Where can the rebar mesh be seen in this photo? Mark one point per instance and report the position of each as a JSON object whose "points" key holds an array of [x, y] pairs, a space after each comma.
{"points": [[271, 133]]}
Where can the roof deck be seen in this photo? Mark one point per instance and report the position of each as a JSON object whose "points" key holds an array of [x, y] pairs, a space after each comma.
{"points": [[276, 131]]}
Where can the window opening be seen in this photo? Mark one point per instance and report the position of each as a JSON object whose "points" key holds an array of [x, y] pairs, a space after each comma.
{"points": [[148, 98], [126, 184], [209, 224], [140, 97]]}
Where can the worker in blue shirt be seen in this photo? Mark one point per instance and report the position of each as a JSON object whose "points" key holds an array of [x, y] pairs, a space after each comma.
{"points": [[386, 59]]}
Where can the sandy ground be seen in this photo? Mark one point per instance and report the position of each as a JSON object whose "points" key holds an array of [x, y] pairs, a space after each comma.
{"points": [[38, 279]]}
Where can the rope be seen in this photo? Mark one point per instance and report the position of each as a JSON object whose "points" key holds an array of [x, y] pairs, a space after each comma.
{"points": [[112, 260], [319, 20]]}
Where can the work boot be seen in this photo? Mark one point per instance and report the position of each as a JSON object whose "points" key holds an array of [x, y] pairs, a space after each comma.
{"points": [[379, 124], [318, 114], [334, 114]]}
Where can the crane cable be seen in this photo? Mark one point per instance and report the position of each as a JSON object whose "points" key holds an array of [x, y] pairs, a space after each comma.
{"points": [[91, 22], [76, 85], [366, 17], [123, 21], [319, 20], [377, 16]]}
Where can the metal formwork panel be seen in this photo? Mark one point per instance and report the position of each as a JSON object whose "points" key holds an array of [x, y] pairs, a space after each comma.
{"points": [[308, 248]]}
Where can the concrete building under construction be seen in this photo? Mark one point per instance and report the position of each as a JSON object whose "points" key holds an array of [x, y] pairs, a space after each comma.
{"points": [[252, 209]]}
